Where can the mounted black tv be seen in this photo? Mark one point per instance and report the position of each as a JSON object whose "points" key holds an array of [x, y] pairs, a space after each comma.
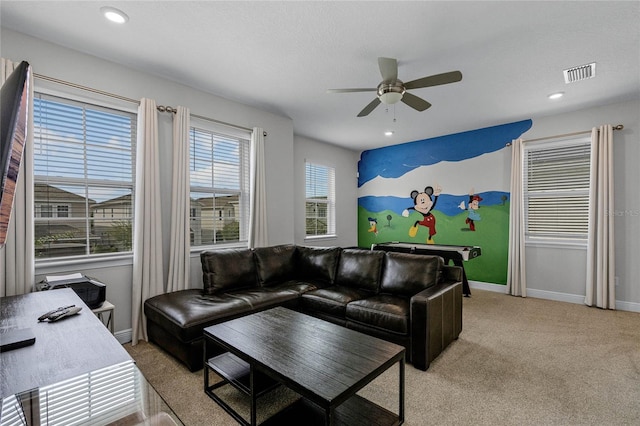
{"points": [[14, 109]]}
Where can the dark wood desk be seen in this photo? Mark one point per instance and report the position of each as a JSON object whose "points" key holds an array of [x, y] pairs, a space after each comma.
{"points": [[324, 363], [62, 350]]}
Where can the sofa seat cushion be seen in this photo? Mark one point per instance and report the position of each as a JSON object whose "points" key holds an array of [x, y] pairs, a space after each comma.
{"points": [[384, 312], [264, 298], [331, 300], [185, 313]]}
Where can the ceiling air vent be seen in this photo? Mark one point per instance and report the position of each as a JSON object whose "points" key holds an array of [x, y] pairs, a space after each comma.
{"points": [[583, 72]]}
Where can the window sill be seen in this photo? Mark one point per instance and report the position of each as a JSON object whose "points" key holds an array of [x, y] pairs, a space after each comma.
{"points": [[320, 237], [195, 251], [62, 265]]}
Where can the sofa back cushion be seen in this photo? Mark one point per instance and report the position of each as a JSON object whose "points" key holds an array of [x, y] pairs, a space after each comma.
{"points": [[406, 274], [275, 264], [360, 268], [229, 269], [317, 264]]}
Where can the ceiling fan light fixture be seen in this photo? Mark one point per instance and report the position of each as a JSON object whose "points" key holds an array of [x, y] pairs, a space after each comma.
{"points": [[391, 93], [390, 98]]}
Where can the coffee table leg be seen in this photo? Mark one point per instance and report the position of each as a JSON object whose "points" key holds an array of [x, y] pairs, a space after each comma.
{"points": [[253, 395], [328, 417], [401, 392]]}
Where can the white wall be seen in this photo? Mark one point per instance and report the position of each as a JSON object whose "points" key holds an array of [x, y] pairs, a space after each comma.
{"points": [[561, 273], [55, 61], [345, 163], [284, 160]]}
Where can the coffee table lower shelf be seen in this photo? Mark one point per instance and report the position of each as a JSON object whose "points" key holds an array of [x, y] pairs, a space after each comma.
{"points": [[356, 411]]}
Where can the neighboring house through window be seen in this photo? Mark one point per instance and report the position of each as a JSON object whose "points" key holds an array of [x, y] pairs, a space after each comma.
{"points": [[219, 176], [319, 200], [84, 167]]}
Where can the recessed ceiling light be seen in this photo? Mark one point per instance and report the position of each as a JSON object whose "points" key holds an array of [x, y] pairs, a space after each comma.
{"points": [[557, 95], [114, 15], [388, 133]]}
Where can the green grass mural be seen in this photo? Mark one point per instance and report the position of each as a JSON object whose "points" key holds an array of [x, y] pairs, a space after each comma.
{"points": [[491, 234]]}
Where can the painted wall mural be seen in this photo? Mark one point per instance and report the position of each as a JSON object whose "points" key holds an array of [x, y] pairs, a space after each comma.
{"points": [[449, 190]]}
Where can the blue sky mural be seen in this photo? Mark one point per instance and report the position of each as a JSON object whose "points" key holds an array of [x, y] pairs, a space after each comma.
{"points": [[396, 160]]}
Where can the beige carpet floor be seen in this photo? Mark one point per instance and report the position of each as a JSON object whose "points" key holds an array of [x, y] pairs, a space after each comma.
{"points": [[517, 362]]}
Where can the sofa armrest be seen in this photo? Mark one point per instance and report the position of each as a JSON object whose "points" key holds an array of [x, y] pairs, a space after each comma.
{"points": [[436, 321], [452, 273]]}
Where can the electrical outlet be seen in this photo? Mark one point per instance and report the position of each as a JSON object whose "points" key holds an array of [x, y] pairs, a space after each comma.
{"points": [[617, 281]]}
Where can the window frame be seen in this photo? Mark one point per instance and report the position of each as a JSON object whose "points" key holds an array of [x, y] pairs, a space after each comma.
{"points": [[569, 238], [96, 104], [329, 201], [243, 137]]}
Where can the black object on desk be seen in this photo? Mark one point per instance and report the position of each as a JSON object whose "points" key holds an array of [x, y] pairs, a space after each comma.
{"points": [[16, 338]]}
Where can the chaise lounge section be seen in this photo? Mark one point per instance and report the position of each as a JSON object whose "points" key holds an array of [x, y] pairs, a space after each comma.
{"points": [[411, 300]]}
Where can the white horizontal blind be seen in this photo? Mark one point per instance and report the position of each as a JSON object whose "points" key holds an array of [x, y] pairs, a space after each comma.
{"points": [[556, 189], [219, 179], [319, 200], [96, 398], [84, 166]]}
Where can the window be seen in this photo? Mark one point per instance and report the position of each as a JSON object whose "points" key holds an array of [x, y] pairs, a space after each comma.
{"points": [[219, 175], [84, 167], [556, 190], [50, 210], [320, 200]]}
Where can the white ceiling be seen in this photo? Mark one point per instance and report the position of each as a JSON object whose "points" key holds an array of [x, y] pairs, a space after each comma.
{"points": [[283, 56]]}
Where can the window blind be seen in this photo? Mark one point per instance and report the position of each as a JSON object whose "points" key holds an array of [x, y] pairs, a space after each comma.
{"points": [[556, 180], [84, 168], [320, 200]]}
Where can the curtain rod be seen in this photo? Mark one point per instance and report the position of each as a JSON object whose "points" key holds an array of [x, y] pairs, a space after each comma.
{"points": [[617, 127], [88, 89], [134, 101], [173, 110]]}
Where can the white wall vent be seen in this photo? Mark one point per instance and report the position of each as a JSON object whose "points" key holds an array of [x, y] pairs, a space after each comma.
{"points": [[583, 72]]}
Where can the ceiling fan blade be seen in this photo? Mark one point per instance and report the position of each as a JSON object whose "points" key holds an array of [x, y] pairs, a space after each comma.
{"points": [[388, 69], [434, 80], [374, 103], [351, 90], [415, 102]]}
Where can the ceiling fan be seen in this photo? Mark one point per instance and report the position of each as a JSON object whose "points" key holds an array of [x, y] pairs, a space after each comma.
{"points": [[392, 90]]}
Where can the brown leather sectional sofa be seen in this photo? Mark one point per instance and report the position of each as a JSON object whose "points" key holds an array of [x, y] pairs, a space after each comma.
{"points": [[412, 300]]}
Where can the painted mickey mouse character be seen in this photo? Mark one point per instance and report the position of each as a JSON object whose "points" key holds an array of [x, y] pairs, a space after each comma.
{"points": [[423, 203]]}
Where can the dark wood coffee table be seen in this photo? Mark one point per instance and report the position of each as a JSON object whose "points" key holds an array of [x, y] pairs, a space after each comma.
{"points": [[324, 363]]}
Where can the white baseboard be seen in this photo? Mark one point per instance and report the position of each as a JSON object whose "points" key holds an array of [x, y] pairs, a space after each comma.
{"points": [[123, 336], [552, 295]]}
